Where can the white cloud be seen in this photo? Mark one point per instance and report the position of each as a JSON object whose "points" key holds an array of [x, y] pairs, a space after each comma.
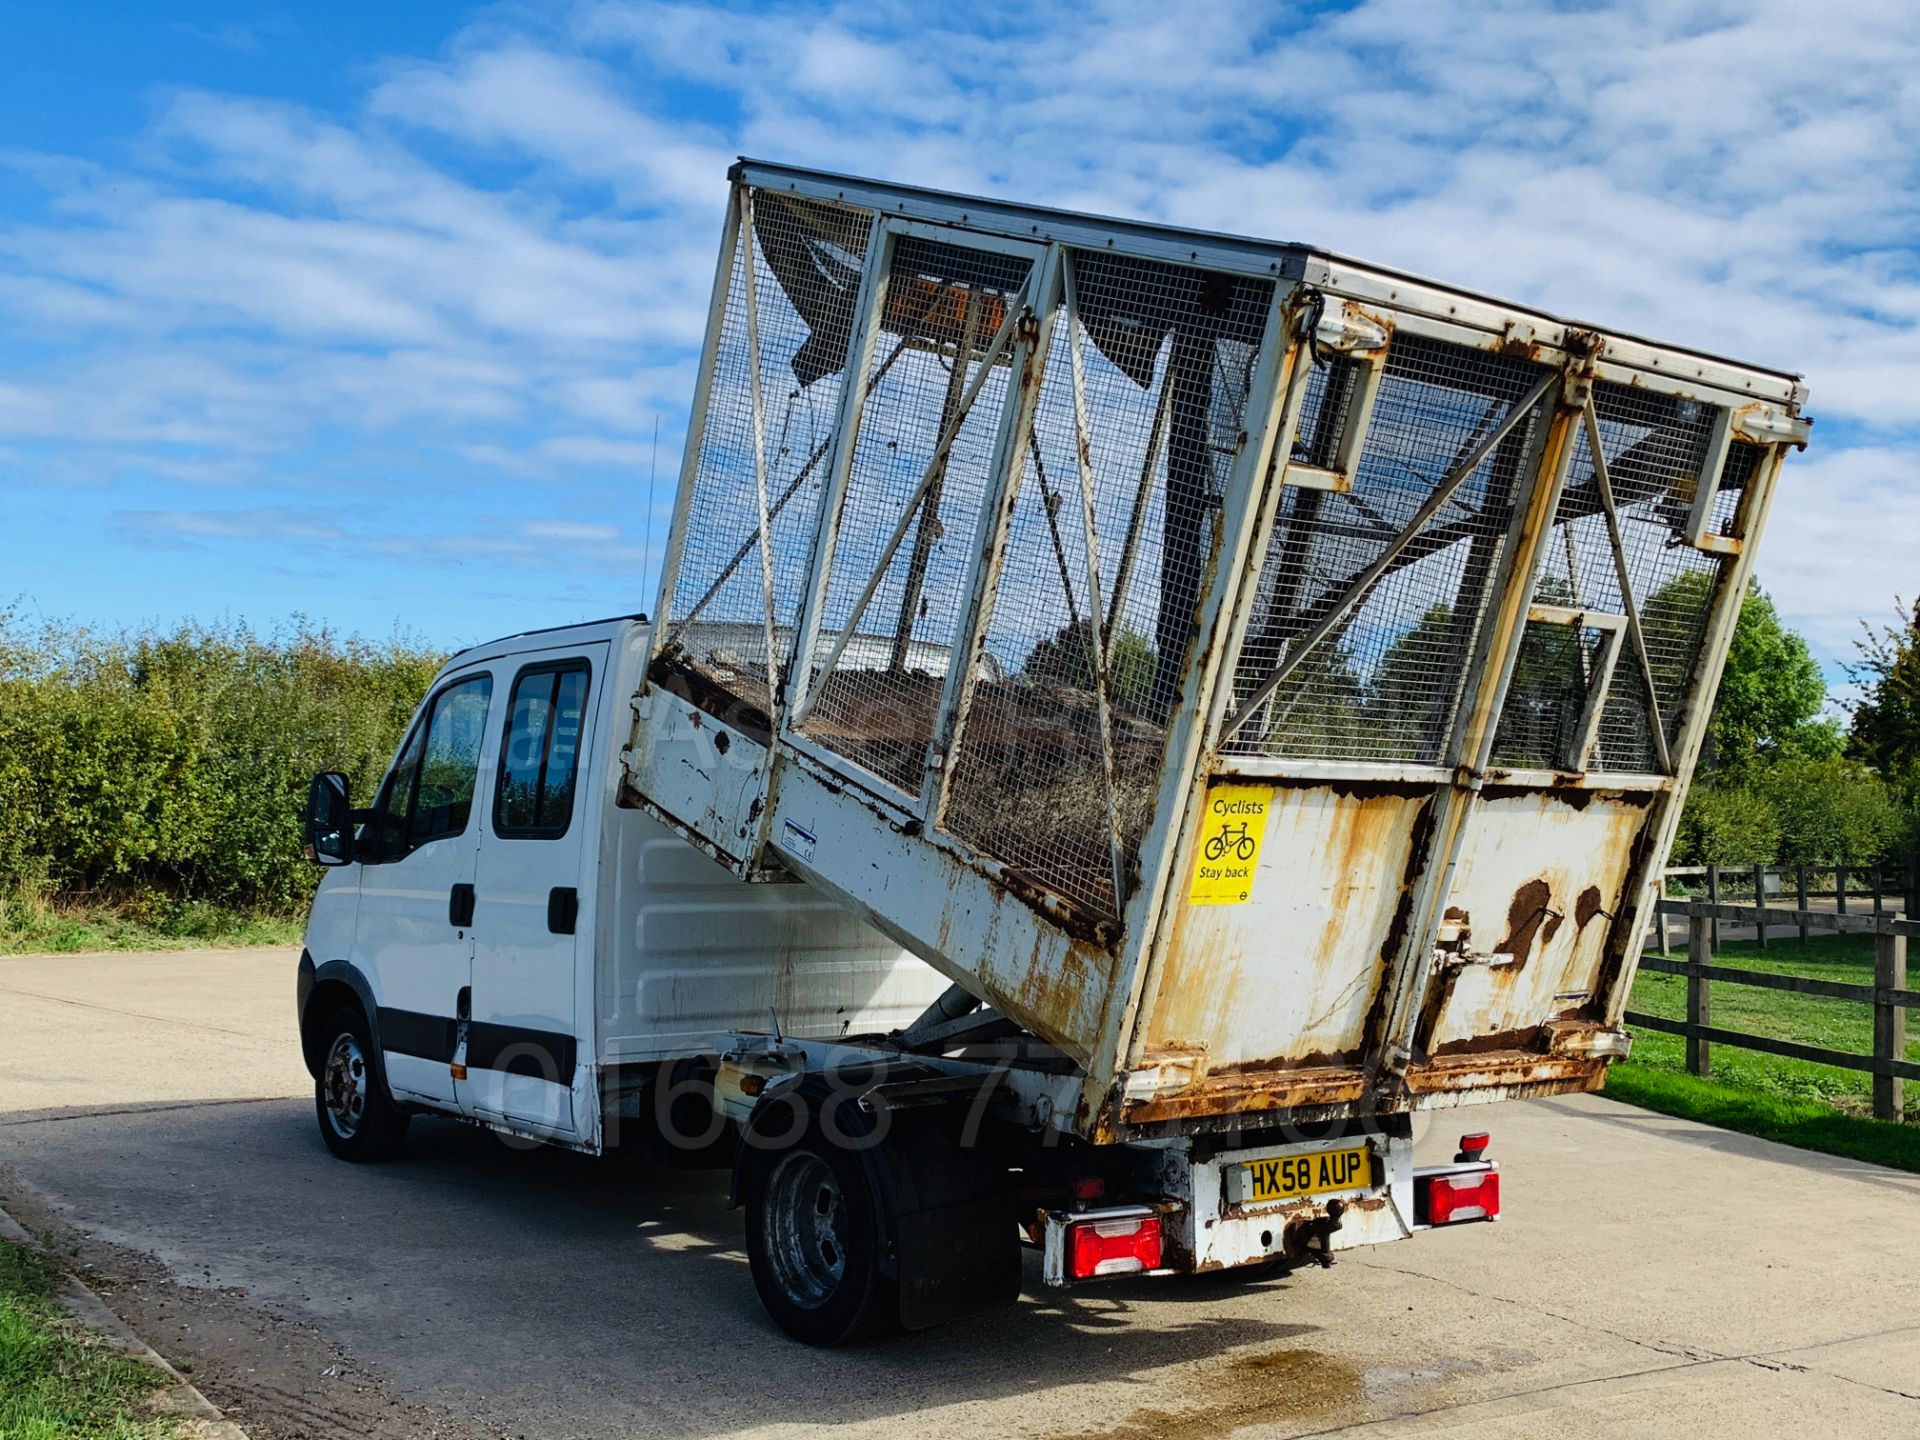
{"points": [[572, 530], [1839, 544], [265, 525], [501, 254]]}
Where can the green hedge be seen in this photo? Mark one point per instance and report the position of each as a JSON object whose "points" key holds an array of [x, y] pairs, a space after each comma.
{"points": [[1794, 811], [175, 762]]}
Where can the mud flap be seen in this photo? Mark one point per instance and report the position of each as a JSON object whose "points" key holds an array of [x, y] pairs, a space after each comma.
{"points": [[955, 1244], [956, 1259]]}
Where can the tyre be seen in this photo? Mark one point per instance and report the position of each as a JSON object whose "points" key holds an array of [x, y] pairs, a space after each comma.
{"points": [[358, 1118], [813, 1243]]}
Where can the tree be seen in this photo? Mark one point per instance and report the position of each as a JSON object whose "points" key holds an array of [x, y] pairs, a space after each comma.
{"points": [[1886, 716], [1771, 691], [1727, 824], [1831, 810], [1066, 657]]}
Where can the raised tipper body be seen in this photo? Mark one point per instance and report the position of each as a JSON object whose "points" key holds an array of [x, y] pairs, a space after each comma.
{"points": [[1269, 679]]}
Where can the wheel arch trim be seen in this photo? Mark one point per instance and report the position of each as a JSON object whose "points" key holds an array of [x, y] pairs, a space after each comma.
{"points": [[313, 978]]}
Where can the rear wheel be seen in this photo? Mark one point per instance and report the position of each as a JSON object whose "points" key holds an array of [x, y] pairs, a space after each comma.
{"points": [[813, 1243], [358, 1119]]}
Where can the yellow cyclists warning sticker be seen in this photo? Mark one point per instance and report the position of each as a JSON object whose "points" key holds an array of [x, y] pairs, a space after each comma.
{"points": [[1230, 834]]}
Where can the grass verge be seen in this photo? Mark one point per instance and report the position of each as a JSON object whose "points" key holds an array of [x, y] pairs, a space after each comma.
{"points": [[57, 1380], [31, 923], [1808, 1125], [1796, 1102], [1811, 1020]]}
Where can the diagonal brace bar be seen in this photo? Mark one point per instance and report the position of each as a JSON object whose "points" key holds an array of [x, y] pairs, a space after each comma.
{"points": [[819, 453], [1603, 482], [1300, 648], [935, 468], [1096, 628], [757, 407]]}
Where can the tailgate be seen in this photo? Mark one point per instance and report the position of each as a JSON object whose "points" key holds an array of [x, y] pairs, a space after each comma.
{"points": [[1461, 713]]}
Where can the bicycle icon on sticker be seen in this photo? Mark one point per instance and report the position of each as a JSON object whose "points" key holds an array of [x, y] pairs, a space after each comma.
{"points": [[1231, 838]]}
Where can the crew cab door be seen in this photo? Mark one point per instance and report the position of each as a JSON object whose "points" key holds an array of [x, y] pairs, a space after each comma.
{"points": [[414, 933], [530, 895]]}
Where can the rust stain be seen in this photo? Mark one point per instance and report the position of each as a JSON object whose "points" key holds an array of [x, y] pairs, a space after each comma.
{"points": [[1615, 966], [1506, 1072], [1374, 1027], [1216, 960], [1569, 790], [1351, 789], [671, 672], [1524, 918], [1587, 906], [1524, 1039], [1475, 1076], [1240, 1093]]}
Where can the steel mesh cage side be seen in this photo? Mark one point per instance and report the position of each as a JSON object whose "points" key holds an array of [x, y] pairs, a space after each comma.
{"points": [[944, 305], [1166, 355], [807, 259], [1553, 676], [1385, 683], [1656, 446]]}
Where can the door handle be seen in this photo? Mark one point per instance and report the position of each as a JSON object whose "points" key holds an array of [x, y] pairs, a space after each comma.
{"points": [[563, 909], [460, 906]]}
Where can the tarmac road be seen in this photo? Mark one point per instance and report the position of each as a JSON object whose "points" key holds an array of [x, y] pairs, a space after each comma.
{"points": [[1651, 1277]]}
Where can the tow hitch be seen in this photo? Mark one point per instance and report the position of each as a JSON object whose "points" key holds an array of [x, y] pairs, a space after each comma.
{"points": [[1312, 1238]]}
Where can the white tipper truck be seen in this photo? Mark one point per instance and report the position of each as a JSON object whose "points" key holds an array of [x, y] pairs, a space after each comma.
{"points": [[1130, 716]]}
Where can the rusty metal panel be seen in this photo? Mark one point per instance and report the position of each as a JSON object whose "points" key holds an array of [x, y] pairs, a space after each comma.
{"points": [[1535, 893], [1287, 979]]}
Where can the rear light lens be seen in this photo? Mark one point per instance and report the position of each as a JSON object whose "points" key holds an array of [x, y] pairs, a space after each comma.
{"points": [[1452, 1198], [1113, 1247], [1473, 1145]]}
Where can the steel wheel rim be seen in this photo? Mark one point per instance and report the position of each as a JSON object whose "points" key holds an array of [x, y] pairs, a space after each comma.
{"points": [[345, 1079], [806, 1228]]}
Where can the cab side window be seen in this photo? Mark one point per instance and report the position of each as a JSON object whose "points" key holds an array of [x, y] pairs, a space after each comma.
{"points": [[450, 764], [540, 752], [396, 798], [429, 794]]}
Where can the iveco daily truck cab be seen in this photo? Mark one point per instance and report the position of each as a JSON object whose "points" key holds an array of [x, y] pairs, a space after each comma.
{"points": [[1130, 717], [506, 943]]}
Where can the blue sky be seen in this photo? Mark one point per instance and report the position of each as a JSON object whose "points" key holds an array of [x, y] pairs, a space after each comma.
{"points": [[370, 311]]}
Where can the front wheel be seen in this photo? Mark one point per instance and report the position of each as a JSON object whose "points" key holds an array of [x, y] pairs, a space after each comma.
{"points": [[358, 1119], [813, 1244]]}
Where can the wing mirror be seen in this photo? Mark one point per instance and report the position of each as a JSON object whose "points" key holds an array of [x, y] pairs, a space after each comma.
{"points": [[327, 823]]}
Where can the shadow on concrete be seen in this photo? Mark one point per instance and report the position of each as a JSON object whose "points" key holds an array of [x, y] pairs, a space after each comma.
{"points": [[558, 1293]]}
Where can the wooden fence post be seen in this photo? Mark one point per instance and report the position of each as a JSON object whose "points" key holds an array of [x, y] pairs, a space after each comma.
{"points": [[1879, 900], [1699, 997], [1800, 875], [1713, 898], [1760, 904], [1660, 911], [1889, 1025], [1840, 888], [1913, 886]]}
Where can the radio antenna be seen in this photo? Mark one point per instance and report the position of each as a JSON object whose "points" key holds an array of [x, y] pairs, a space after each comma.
{"points": [[653, 461]]}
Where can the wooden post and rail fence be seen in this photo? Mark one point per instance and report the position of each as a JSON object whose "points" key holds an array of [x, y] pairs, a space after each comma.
{"points": [[1880, 890]]}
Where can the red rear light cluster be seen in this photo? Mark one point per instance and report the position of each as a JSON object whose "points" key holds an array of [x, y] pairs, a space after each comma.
{"points": [[1462, 1197], [1113, 1247]]}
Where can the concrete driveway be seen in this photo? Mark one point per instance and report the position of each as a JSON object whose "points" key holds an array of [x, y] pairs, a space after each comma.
{"points": [[1652, 1277]]}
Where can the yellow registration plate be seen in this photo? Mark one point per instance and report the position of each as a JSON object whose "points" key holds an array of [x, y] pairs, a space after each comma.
{"points": [[1288, 1177]]}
